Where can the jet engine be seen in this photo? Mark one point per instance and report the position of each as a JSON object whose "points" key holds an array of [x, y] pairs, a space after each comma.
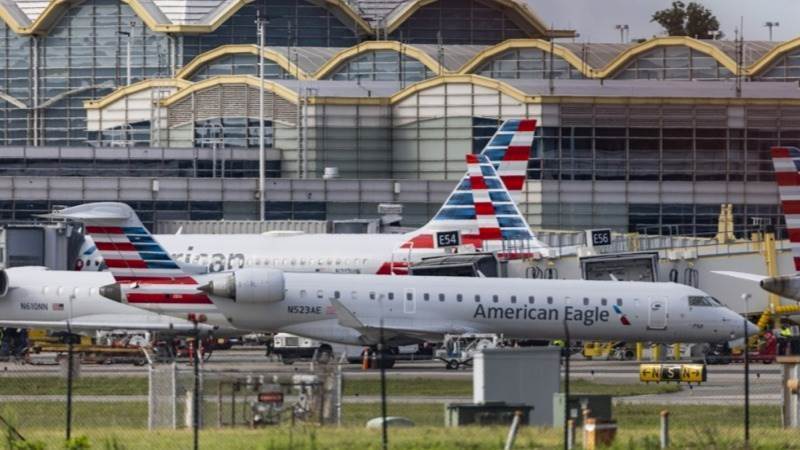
{"points": [[249, 285], [786, 286]]}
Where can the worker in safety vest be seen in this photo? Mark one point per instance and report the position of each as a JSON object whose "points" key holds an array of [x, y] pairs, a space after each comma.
{"points": [[784, 335]]}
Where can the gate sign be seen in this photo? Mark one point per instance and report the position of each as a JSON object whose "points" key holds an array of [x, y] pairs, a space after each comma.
{"points": [[448, 239], [679, 373], [598, 237]]}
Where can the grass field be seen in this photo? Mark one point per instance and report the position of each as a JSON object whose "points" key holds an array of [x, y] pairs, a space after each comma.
{"points": [[713, 426], [394, 386]]}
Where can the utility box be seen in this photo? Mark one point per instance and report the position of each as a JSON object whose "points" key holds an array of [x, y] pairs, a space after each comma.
{"points": [[599, 405], [519, 376], [463, 414]]}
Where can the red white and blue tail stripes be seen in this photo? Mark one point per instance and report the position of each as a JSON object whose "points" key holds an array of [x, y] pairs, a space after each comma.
{"points": [[509, 151], [480, 208], [787, 174]]}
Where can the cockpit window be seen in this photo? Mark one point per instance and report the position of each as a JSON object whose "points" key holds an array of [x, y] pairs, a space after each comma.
{"points": [[700, 300]]}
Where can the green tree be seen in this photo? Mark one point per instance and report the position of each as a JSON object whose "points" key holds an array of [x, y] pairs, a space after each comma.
{"points": [[693, 20]]}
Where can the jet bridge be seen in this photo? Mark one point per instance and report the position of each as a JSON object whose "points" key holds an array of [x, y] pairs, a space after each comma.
{"points": [[51, 245]]}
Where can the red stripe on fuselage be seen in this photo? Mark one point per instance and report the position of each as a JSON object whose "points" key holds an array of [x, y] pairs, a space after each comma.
{"points": [[164, 298], [419, 241], [154, 280]]}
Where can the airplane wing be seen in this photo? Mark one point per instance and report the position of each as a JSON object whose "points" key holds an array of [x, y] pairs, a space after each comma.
{"points": [[110, 322], [393, 329], [741, 275]]}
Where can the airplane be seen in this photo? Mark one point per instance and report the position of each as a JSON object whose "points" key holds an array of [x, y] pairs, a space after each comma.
{"points": [[352, 309], [384, 254], [36, 297], [786, 161]]}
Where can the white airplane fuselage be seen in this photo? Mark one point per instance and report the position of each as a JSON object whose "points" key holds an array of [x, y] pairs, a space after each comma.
{"points": [[40, 297], [516, 308]]}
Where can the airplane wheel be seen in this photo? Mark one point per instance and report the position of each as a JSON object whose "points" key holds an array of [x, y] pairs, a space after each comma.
{"points": [[452, 364]]}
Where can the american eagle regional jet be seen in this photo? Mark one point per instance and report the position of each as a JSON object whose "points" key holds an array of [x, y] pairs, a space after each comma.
{"points": [[351, 309]]}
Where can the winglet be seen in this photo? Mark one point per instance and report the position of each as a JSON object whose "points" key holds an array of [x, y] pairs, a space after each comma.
{"points": [[741, 275], [346, 317]]}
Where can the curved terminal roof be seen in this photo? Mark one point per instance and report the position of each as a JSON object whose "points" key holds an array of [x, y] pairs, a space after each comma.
{"points": [[203, 16], [522, 90]]}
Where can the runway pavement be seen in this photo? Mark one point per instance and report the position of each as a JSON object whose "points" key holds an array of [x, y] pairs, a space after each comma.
{"points": [[724, 386]]}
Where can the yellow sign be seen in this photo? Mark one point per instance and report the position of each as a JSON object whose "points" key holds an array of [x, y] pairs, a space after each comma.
{"points": [[679, 373]]}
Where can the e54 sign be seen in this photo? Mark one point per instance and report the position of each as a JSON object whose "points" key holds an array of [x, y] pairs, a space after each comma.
{"points": [[448, 239], [598, 237]]}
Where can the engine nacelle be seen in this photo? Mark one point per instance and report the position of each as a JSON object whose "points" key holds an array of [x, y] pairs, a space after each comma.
{"points": [[249, 285], [786, 286], [3, 282]]}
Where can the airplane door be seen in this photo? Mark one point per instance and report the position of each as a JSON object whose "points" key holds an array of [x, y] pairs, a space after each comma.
{"points": [[409, 301], [657, 319]]}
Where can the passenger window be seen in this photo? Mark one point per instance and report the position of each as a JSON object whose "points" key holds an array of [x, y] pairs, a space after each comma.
{"points": [[585, 301], [391, 295], [426, 296], [495, 298], [549, 300], [459, 297], [530, 299], [603, 301], [372, 295], [409, 296], [513, 299], [477, 299], [336, 294], [441, 297], [619, 302]]}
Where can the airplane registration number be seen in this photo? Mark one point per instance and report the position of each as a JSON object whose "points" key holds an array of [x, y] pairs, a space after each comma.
{"points": [[304, 309]]}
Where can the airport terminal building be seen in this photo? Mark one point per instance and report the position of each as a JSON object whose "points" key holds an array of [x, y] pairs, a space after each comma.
{"points": [[156, 103]]}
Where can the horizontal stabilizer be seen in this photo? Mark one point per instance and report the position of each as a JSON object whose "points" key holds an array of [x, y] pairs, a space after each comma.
{"points": [[741, 275]]}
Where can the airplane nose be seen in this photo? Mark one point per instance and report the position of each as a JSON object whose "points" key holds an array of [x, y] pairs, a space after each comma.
{"points": [[752, 329]]}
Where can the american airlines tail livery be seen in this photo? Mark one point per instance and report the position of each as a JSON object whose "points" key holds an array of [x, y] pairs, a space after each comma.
{"points": [[383, 254], [351, 309], [786, 161]]}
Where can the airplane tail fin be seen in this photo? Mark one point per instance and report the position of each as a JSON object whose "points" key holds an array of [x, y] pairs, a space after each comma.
{"points": [[509, 151], [481, 209], [786, 161], [128, 250]]}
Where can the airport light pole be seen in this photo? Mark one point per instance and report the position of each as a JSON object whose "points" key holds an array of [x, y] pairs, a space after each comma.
{"points": [[261, 23], [746, 298], [622, 28], [771, 25]]}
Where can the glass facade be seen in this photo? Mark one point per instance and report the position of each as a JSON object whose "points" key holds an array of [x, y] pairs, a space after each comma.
{"points": [[227, 132], [457, 22], [291, 23], [674, 62], [84, 57], [785, 68], [382, 65], [656, 154], [528, 63], [240, 64]]}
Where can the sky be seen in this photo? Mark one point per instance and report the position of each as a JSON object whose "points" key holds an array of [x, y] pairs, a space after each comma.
{"points": [[595, 19]]}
